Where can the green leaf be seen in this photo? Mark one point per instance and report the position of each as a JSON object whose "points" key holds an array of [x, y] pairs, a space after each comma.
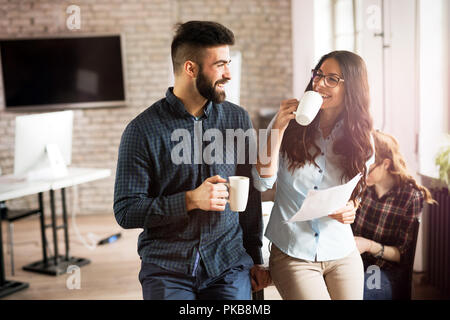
{"points": [[443, 162]]}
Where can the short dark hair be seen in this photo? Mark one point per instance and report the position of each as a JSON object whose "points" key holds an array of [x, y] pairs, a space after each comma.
{"points": [[193, 36]]}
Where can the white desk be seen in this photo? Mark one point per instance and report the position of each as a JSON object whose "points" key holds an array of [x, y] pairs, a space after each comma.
{"points": [[12, 188], [79, 176]]}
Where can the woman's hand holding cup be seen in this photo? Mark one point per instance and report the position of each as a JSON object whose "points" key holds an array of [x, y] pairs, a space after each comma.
{"points": [[285, 114]]}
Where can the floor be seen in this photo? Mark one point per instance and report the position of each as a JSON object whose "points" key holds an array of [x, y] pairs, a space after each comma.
{"points": [[113, 271]]}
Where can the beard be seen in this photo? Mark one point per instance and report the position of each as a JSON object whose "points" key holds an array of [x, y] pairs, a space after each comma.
{"points": [[208, 90]]}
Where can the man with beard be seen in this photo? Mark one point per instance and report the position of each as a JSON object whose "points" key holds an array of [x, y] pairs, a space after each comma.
{"points": [[192, 245]]}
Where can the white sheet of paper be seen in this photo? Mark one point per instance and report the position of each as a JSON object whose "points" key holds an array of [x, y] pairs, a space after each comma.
{"points": [[321, 203]]}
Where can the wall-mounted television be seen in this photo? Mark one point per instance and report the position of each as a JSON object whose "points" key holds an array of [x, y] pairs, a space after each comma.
{"points": [[63, 72]]}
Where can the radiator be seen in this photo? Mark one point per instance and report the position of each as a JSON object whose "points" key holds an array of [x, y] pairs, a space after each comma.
{"points": [[439, 241]]}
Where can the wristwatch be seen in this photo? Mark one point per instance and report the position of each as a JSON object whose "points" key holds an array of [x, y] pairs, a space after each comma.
{"points": [[380, 253]]}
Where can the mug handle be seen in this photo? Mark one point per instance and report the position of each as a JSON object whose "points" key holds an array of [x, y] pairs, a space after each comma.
{"points": [[228, 187]]}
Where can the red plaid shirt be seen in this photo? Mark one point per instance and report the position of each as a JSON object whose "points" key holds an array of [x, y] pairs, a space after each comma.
{"points": [[388, 220]]}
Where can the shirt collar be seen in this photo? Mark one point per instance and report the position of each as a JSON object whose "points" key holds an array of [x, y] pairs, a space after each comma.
{"points": [[336, 129], [179, 107], [339, 124], [392, 192]]}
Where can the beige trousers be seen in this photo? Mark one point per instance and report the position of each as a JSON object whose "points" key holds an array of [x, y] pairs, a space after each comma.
{"points": [[298, 279]]}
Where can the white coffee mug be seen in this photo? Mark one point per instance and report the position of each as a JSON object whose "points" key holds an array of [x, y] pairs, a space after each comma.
{"points": [[308, 107], [238, 187]]}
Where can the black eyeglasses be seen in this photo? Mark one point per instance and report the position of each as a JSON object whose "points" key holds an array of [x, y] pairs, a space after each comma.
{"points": [[331, 80]]}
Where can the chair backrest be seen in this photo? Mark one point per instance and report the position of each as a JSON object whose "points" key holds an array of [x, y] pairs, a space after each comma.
{"points": [[407, 264], [258, 295], [3, 209]]}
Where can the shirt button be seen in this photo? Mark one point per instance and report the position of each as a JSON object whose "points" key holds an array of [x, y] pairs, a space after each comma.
{"points": [[316, 235], [320, 171], [322, 153], [315, 188]]}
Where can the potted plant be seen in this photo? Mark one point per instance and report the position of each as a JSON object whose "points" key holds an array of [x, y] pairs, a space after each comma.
{"points": [[443, 162]]}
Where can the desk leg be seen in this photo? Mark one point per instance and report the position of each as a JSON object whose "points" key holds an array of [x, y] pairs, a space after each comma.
{"points": [[58, 264], [54, 229], [43, 236], [2, 262], [66, 225], [7, 287]]}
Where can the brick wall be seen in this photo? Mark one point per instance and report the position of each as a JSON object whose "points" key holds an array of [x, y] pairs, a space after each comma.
{"points": [[263, 35]]}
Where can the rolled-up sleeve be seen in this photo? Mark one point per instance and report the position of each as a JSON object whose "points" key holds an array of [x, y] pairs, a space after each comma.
{"points": [[262, 184]]}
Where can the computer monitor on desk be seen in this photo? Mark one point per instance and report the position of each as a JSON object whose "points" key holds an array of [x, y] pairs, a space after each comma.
{"points": [[43, 145]]}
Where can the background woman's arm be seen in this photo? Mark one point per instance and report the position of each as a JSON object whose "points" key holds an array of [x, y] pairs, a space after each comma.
{"points": [[390, 253]]}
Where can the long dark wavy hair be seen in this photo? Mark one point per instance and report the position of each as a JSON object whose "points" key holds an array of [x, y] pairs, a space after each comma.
{"points": [[355, 146]]}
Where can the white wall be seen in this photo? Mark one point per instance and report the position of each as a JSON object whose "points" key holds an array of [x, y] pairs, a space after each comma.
{"points": [[397, 111], [370, 48], [434, 82], [323, 32], [434, 101], [302, 44]]}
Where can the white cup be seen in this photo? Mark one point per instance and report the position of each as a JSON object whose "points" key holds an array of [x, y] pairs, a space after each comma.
{"points": [[308, 107], [238, 187]]}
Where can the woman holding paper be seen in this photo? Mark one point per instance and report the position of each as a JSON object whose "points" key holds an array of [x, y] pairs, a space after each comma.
{"points": [[318, 258]]}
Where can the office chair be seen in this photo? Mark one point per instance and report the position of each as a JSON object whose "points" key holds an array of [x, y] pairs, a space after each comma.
{"points": [[407, 266], [10, 216], [258, 295]]}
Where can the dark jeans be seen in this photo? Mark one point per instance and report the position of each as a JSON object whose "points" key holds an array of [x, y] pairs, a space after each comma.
{"points": [[377, 285], [161, 284], [393, 284]]}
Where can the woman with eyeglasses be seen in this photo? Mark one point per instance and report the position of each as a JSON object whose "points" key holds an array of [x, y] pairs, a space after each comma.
{"points": [[384, 223], [318, 259]]}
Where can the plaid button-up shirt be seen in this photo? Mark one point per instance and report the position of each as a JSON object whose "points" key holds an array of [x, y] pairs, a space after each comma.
{"points": [[150, 188], [388, 220]]}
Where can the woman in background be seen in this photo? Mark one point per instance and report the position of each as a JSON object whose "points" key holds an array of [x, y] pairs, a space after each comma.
{"points": [[318, 259], [383, 225]]}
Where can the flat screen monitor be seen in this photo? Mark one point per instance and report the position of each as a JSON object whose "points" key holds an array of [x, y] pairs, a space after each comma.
{"points": [[33, 134], [62, 73]]}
